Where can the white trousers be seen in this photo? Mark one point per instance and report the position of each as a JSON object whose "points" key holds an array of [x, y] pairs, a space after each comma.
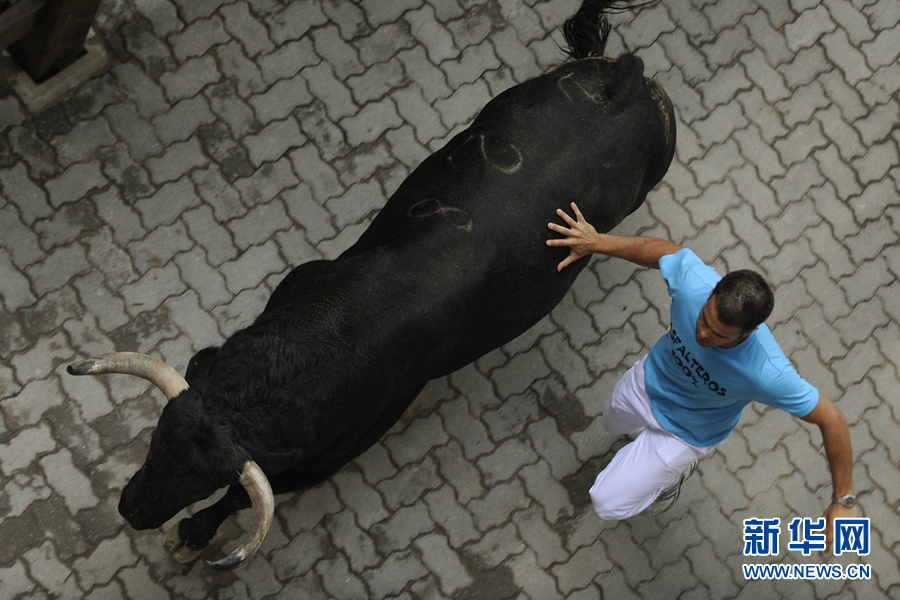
{"points": [[644, 467]]}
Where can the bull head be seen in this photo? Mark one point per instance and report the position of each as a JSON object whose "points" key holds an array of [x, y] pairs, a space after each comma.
{"points": [[191, 456]]}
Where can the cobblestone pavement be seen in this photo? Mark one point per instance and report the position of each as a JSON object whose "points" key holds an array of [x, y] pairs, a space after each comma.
{"points": [[157, 208]]}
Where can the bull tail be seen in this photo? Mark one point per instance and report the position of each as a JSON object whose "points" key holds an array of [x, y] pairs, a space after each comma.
{"points": [[587, 30]]}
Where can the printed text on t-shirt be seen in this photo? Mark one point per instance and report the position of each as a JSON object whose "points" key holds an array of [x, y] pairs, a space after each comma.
{"points": [[691, 367]]}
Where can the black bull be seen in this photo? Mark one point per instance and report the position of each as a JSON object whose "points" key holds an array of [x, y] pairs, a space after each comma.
{"points": [[453, 266]]}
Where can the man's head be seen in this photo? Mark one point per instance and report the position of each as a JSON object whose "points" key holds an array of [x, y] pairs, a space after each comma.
{"points": [[736, 307]]}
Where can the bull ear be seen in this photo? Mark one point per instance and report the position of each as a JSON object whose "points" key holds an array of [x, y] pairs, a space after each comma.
{"points": [[200, 363]]}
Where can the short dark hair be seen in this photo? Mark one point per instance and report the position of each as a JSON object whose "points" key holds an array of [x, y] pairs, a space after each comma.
{"points": [[743, 299]]}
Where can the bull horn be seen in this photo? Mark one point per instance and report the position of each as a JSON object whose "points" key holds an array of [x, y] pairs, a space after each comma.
{"points": [[263, 501], [157, 372]]}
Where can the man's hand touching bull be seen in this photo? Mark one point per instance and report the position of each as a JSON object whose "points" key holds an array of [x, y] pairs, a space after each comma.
{"points": [[582, 239]]}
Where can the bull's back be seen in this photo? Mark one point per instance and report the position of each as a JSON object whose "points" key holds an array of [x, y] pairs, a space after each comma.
{"points": [[462, 243], [589, 132]]}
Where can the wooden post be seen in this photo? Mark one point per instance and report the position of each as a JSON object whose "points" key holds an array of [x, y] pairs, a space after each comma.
{"points": [[57, 38]]}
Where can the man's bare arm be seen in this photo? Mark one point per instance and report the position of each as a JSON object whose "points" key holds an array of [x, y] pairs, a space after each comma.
{"points": [[582, 239], [839, 452]]}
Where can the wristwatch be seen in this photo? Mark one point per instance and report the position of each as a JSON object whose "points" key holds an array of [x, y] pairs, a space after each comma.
{"points": [[848, 501]]}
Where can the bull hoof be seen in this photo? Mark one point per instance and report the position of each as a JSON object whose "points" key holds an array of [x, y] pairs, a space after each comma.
{"points": [[174, 545]]}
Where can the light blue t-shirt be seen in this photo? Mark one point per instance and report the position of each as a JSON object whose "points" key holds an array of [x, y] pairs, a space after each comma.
{"points": [[698, 393]]}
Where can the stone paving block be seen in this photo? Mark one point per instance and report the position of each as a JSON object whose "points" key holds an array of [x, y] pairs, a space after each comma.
{"points": [[440, 558], [375, 464], [131, 178], [244, 26], [852, 368], [719, 160], [377, 81], [151, 51], [178, 124], [16, 291], [104, 561], [370, 161], [433, 36], [295, 20], [447, 512], [371, 122], [410, 483], [431, 80], [196, 323], [719, 91], [514, 54], [23, 449], [67, 224], [75, 182], [30, 200], [726, 488], [235, 65], [506, 460], [864, 319], [24, 141], [335, 51], [808, 28], [338, 580], [68, 481], [155, 250], [15, 579], [875, 126], [850, 60], [547, 492], [214, 239], [664, 584], [394, 574], [154, 286], [177, 160], [531, 579], [350, 19], [281, 99], [379, 13], [513, 415], [51, 573], [190, 78], [524, 19], [727, 46], [883, 49], [324, 134], [459, 472], [494, 509], [27, 407], [870, 275], [162, 16], [259, 225], [11, 114], [847, 99], [806, 67], [274, 141], [197, 38], [356, 204], [303, 551], [82, 142], [759, 152], [385, 43], [356, 543], [420, 437], [287, 60], [252, 266], [721, 122]]}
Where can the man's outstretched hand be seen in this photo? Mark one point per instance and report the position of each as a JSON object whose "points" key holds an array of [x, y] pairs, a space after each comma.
{"points": [[581, 237]]}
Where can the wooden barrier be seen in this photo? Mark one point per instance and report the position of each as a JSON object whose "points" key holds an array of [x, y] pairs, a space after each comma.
{"points": [[46, 36]]}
